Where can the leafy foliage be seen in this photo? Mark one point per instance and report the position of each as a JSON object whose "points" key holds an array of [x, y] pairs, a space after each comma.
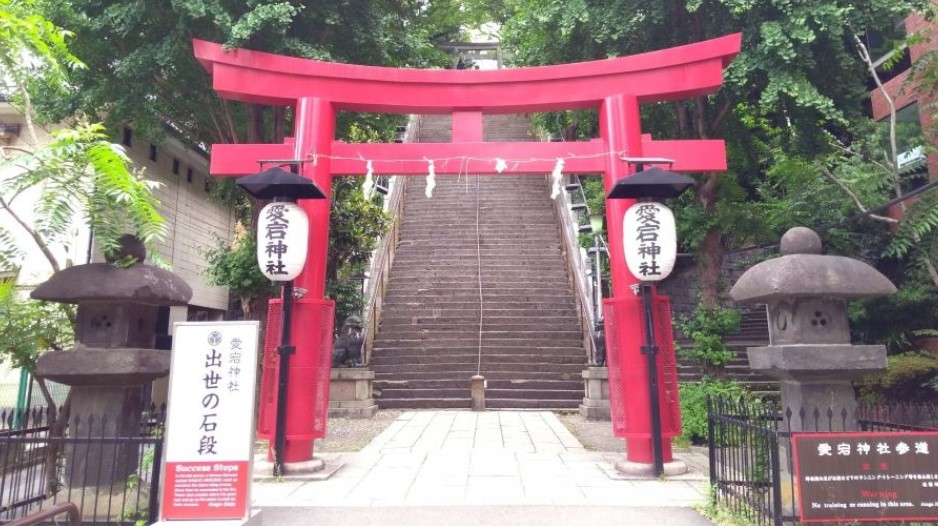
{"points": [[34, 50], [796, 81], [707, 327], [82, 175], [235, 266], [29, 327], [907, 377], [693, 398]]}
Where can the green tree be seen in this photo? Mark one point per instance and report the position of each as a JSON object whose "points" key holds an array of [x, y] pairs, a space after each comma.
{"points": [[796, 81], [81, 179], [142, 70]]}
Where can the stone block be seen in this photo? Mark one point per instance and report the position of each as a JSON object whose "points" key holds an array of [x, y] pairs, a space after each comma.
{"points": [[817, 362], [350, 394], [595, 404]]}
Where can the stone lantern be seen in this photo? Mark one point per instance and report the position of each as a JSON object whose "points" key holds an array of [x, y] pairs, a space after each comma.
{"points": [[113, 356], [809, 347]]}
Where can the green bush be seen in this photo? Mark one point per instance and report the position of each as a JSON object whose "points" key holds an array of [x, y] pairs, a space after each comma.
{"points": [[707, 328], [908, 377], [694, 406]]}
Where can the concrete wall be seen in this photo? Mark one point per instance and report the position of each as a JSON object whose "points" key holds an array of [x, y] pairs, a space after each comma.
{"points": [[193, 219]]}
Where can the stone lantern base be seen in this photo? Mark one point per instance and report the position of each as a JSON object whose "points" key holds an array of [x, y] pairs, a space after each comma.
{"points": [[350, 394], [595, 404]]}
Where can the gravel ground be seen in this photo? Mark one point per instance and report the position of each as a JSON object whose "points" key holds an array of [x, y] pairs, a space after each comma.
{"points": [[352, 434], [596, 435]]}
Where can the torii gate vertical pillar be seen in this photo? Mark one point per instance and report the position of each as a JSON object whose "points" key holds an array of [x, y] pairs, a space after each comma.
{"points": [[308, 397], [620, 128]]}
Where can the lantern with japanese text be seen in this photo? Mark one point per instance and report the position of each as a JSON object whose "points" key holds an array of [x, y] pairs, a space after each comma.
{"points": [[283, 233], [650, 240]]}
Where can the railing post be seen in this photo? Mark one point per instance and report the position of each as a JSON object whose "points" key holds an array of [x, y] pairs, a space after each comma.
{"points": [[711, 449], [775, 473], [153, 512]]}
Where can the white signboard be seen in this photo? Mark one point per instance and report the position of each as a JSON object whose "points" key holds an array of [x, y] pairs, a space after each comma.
{"points": [[649, 236], [210, 421]]}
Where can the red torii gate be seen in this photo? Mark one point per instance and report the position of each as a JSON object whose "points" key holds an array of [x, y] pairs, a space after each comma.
{"points": [[616, 87]]}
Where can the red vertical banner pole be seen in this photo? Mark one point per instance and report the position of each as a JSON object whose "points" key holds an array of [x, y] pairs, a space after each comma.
{"points": [[620, 128], [313, 135]]}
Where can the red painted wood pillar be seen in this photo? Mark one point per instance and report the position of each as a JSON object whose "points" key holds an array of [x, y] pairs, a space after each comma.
{"points": [[313, 136], [620, 128]]}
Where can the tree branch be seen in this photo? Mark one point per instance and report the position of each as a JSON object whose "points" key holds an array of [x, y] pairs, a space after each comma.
{"points": [[865, 56], [35, 235], [856, 200], [721, 115]]}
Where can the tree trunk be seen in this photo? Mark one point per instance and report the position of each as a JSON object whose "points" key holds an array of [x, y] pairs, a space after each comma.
{"points": [[709, 264], [710, 251]]}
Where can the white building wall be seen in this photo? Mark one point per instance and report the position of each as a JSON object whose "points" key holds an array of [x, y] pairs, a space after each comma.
{"points": [[193, 220]]}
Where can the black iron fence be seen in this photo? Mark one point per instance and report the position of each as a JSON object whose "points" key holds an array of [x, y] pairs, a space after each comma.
{"points": [[750, 448], [107, 466]]}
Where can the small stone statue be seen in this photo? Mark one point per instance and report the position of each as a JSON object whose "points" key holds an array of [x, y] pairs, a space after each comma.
{"points": [[347, 349], [599, 339]]}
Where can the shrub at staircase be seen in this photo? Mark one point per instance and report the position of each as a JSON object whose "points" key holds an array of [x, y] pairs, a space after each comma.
{"points": [[707, 329], [694, 406]]}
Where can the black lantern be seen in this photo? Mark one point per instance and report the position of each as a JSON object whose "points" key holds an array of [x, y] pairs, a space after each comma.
{"points": [[282, 186], [644, 186]]}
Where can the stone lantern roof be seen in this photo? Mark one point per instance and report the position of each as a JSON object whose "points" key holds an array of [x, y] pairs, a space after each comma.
{"points": [[803, 272], [106, 282]]}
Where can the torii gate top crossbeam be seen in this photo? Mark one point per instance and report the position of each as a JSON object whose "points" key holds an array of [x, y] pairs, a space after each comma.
{"points": [[668, 74]]}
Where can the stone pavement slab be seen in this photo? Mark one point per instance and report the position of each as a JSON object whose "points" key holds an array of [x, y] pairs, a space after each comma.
{"points": [[485, 516], [469, 462]]}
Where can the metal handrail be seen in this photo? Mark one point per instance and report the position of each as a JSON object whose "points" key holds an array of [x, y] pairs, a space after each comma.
{"points": [[74, 517], [381, 259], [584, 287]]}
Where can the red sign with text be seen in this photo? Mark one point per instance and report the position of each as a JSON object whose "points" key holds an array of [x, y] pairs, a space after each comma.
{"points": [[876, 476], [205, 490]]}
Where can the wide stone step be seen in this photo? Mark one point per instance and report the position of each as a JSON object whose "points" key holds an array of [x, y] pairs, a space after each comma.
{"points": [[432, 348], [490, 375], [569, 404], [463, 383], [472, 264], [471, 368], [424, 403], [518, 286], [401, 334], [566, 319], [442, 275], [430, 331], [535, 394], [435, 305], [404, 358]]}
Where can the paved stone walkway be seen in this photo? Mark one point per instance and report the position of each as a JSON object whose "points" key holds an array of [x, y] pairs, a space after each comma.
{"points": [[462, 458]]}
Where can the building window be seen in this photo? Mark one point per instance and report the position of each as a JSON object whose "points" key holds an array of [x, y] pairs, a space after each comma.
{"points": [[910, 142], [153, 152], [188, 175], [176, 166], [128, 139]]}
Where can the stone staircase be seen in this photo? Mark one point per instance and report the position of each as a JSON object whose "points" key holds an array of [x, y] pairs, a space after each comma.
{"points": [[428, 342]]}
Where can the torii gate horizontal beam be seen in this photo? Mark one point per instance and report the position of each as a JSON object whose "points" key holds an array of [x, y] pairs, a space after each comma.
{"points": [[668, 74], [477, 157]]}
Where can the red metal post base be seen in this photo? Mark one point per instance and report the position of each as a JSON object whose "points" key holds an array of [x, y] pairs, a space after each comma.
{"points": [[628, 380], [308, 396]]}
